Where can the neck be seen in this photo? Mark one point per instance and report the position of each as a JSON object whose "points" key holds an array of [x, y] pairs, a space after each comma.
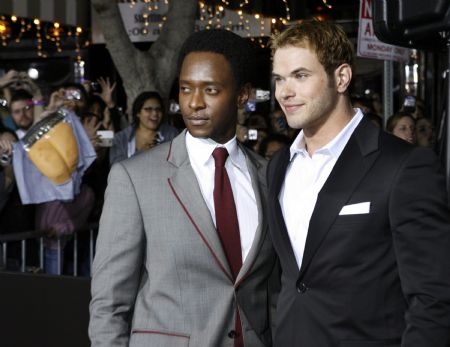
{"points": [[145, 131], [319, 135]]}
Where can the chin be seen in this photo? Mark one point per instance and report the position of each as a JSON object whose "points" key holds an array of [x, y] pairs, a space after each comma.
{"points": [[199, 133]]}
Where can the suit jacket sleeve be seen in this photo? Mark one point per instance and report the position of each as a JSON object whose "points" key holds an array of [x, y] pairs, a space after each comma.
{"points": [[117, 264], [420, 222]]}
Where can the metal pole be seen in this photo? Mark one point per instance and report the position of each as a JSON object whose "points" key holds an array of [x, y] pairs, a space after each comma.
{"points": [[41, 253], [59, 256], [5, 250], [91, 250], [75, 254], [447, 162], [24, 256], [388, 86]]}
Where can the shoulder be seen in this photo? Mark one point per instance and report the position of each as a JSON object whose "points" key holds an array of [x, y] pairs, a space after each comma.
{"points": [[148, 158], [254, 157], [125, 133], [168, 131], [280, 157]]}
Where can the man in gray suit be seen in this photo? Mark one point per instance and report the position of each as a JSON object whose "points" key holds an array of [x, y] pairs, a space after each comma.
{"points": [[164, 275]]}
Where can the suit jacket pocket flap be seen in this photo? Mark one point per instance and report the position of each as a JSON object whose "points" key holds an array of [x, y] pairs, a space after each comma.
{"points": [[162, 338]]}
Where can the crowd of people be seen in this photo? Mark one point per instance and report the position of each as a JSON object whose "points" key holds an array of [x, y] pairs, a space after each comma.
{"points": [[23, 105]]}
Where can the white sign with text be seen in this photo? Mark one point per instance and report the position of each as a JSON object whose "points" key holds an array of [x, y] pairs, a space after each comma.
{"points": [[368, 44]]}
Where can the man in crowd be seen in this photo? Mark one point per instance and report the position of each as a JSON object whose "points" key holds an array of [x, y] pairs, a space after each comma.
{"points": [[22, 111], [359, 218], [183, 256]]}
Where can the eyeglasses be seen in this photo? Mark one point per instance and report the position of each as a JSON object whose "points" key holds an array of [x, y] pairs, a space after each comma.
{"points": [[150, 109]]}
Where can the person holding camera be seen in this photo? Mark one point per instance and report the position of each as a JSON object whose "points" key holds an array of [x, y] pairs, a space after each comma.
{"points": [[17, 85], [22, 111], [146, 130]]}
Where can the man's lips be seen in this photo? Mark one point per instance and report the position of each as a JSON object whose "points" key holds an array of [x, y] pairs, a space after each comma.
{"points": [[290, 108], [198, 120]]}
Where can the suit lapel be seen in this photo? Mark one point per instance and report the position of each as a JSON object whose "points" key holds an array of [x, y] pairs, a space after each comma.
{"points": [[281, 166], [187, 191], [353, 164], [258, 183]]}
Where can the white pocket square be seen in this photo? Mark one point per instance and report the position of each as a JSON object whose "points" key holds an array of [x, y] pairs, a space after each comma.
{"points": [[361, 208]]}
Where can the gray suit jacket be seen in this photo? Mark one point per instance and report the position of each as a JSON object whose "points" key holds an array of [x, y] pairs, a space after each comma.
{"points": [[160, 276]]}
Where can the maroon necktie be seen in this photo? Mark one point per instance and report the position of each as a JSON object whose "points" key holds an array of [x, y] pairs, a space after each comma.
{"points": [[227, 226]]}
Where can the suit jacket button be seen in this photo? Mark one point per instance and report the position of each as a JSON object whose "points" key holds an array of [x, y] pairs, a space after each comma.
{"points": [[301, 287], [232, 334]]}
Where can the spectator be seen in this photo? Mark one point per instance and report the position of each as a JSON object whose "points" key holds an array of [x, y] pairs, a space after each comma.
{"points": [[146, 130], [15, 217], [425, 134], [279, 125], [22, 111], [7, 139], [402, 125], [273, 143], [19, 81], [71, 96], [101, 102]]}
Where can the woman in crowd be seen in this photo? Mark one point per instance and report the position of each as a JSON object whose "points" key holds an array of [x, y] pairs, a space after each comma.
{"points": [[402, 125], [425, 133], [146, 130]]}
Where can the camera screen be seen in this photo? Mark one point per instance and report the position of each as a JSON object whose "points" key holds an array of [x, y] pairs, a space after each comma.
{"points": [[252, 134], [73, 94]]}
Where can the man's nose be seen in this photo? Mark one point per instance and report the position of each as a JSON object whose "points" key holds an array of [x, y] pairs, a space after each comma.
{"points": [[286, 90], [197, 100]]}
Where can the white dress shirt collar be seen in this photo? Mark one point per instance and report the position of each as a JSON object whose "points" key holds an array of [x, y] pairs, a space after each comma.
{"points": [[202, 149], [335, 146]]}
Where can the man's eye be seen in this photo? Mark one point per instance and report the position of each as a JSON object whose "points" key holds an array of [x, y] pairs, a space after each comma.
{"points": [[277, 79], [212, 91], [184, 89], [301, 76]]}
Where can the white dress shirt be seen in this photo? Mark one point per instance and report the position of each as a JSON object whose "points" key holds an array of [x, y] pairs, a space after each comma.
{"points": [[202, 162], [304, 179]]}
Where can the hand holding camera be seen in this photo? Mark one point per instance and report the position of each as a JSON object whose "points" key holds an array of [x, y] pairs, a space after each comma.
{"points": [[6, 148]]}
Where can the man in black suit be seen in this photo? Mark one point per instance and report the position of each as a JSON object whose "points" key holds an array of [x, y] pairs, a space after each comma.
{"points": [[359, 219]]}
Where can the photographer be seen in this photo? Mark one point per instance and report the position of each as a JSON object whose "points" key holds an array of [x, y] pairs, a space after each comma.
{"points": [[14, 82], [102, 103]]}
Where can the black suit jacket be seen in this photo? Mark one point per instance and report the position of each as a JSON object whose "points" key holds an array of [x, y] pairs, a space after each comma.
{"points": [[376, 279]]}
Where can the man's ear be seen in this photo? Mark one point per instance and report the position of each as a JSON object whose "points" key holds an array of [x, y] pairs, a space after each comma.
{"points": [[244, 94], [343, 77]]}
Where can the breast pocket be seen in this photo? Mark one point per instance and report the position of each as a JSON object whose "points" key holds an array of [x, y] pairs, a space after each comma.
{"points": [[353, 219]]}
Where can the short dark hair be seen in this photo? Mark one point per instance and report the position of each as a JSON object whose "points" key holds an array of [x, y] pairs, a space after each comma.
{"points": [[236, 50], [21, 94], [140, 101]]}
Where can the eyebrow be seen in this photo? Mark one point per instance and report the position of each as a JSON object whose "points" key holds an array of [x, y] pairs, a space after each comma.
{"points": [[201, 82], [294, 72]]}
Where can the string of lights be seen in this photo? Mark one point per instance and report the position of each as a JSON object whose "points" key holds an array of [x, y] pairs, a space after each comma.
{"points": [[51, 37], [47, 36]]}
